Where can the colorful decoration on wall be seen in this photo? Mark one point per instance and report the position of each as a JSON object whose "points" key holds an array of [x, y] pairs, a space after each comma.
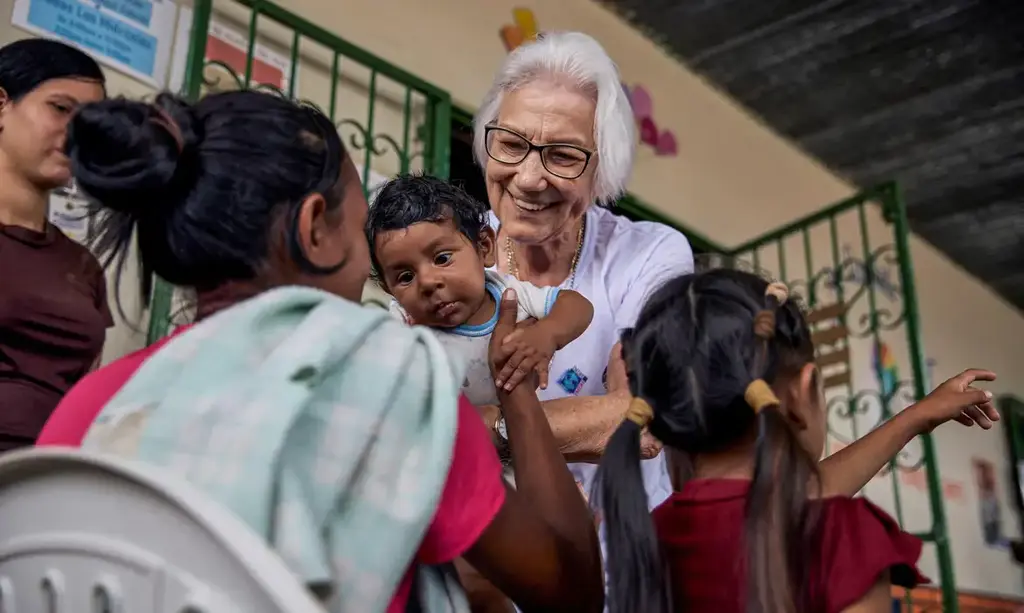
{"points": [[662, 141], [886, 370], [988, 504], [524, 29]]}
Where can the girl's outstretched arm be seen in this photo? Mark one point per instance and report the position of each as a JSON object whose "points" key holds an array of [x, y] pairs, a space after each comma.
{"points": [[848, 470]]}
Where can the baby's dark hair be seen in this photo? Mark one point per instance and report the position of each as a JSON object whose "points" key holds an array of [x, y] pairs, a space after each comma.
{"points": [[414, 198], [691, 356]]}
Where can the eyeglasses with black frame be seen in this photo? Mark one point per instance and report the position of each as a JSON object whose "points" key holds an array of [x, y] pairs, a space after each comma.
{"points": [[560, 159]]}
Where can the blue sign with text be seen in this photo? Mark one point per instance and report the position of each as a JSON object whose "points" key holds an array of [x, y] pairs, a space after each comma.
{"points": [[102, 33], [139, 11]]}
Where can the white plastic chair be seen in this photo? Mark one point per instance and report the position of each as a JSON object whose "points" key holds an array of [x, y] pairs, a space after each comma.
{"points": [[84, 533]]}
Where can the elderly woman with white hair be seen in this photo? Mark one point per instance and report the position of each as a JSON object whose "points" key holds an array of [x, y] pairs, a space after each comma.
{"points": [[556, 139], [555, 136]]}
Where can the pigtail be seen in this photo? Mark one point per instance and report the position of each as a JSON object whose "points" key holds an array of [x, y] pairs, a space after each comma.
{"points": [[779, 528], [777, 519], [636, 577]]}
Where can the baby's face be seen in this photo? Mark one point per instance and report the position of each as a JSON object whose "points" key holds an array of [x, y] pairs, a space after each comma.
{"points": [[435, 273]]}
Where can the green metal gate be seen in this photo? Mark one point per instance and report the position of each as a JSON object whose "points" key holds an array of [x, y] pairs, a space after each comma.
{"points": [[391, 121], [850, 264]]}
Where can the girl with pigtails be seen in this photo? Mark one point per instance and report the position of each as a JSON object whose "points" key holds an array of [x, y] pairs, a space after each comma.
{"points": [[721, 369]]}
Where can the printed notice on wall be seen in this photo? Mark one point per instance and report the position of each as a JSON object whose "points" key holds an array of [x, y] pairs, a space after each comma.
{"points": [[70, 212], [130, 36], [227, 47]]}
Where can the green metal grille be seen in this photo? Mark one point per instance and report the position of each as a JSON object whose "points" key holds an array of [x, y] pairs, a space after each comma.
{"points": [[834, 258], [390, 120]]}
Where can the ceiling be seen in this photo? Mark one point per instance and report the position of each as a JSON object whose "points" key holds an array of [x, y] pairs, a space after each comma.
{"points": [[927, 92]]}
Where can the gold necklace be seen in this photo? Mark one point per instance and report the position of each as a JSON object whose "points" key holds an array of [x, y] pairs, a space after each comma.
{"points": [[513, 269]]}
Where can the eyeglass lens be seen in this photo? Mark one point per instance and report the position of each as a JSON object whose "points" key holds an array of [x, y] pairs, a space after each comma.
{"points": [[563, 161]]}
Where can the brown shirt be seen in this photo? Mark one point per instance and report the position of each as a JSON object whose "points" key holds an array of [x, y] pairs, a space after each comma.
{"points": [[53, 321]]}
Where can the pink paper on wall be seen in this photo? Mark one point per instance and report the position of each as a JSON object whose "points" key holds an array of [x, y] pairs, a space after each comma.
{"points": [[666, 144], [648, 132], [643, 106]]}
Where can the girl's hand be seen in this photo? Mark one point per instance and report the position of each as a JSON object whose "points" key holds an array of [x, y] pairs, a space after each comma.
{"points": [[956, 400]]}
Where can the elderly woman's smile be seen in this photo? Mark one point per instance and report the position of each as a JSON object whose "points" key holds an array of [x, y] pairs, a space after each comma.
{"points": [[541, 162]]}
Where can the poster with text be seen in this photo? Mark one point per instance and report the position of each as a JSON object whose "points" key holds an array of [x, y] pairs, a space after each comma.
{"points": [[988, 504], [130, 36], [70, 212], [227, 45]]}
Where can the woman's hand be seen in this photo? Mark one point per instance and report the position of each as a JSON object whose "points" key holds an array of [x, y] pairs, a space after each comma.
{"points": [[618, 383], [507, 373]]}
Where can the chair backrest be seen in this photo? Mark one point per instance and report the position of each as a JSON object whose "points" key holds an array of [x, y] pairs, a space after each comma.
{"points": [[86, 533]]}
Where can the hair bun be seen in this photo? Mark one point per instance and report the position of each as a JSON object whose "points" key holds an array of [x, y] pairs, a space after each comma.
{"points": [[134, 157]]}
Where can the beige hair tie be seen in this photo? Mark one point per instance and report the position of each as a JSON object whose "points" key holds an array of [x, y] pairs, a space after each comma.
{"points": [[759, 396], [779, 291], [640, 413], [775, 296]]}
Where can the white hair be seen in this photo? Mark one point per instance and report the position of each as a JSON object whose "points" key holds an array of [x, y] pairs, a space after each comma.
{"points": [[582, 60]]}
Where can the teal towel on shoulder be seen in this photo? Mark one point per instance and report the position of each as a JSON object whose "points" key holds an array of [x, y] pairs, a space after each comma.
{"points": [[328, 427]]}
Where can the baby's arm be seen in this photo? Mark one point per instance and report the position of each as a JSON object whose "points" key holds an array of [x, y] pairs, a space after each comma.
{"points": [[568, 318], [531, 348]]}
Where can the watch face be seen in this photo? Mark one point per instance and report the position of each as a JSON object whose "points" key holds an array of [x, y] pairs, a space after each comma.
{"points": [[502, 430]]}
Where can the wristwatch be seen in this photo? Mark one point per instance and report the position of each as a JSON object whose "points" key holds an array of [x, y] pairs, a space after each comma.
{"points": [[504, 449]]}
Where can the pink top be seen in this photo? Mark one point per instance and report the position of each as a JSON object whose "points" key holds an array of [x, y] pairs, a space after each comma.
{"points": [[472, 495]]}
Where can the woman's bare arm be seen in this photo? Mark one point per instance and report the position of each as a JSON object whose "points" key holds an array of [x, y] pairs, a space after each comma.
{"points": [[541, 549], [582, 426]]}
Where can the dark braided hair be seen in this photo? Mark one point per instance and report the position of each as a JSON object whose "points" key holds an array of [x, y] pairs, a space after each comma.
{"points": [[698, 345]]}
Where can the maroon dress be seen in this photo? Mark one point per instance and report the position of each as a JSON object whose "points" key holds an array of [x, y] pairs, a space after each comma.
{"points": [[701, 532], [53, 321]]}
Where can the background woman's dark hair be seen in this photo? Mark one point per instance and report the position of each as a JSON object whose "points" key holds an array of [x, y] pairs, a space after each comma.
{"points": [[691, 356], [27, 64], [205, 186], [409, 199]]}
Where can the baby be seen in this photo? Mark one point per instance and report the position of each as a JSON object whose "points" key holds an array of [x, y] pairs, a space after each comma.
{"points": [[431, 246]]}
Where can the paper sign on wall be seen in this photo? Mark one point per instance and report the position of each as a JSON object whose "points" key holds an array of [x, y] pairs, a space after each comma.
{"points": [[70, 213], [130, 36], [227, 45]]}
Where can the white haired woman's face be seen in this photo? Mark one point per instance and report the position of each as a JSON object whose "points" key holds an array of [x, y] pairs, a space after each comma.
{"points": [[532, 199]]}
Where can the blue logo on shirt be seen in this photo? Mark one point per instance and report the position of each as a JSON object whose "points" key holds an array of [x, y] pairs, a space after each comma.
{"points": [[572, 380]]}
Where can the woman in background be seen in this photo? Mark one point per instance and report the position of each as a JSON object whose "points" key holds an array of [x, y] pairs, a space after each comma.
{"points": [[53, 298]]}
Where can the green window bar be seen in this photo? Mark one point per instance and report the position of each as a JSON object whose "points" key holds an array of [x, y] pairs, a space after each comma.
{"points": [[390, 120], [853, 280]]}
